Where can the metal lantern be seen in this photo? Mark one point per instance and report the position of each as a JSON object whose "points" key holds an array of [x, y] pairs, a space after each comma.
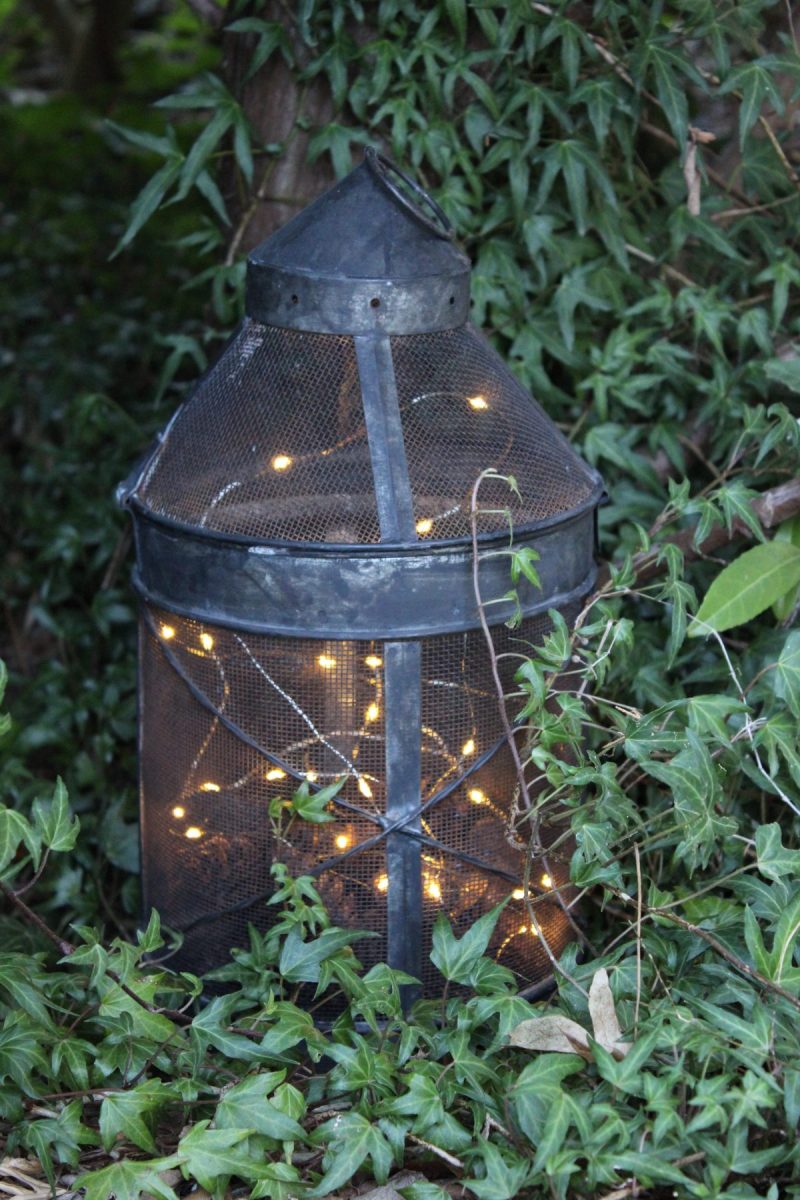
{"points": [[305, 568]]}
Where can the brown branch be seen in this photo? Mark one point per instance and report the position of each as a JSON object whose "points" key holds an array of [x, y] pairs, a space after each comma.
{"points": [[66, 948], [771, 508]]}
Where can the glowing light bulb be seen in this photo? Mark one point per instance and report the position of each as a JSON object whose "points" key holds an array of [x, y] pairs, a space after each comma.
{"points": [[167, 632], [210, 787], [372, 713], [382, 883], [364, 788], [281, 462], [424, 525], [518, 893], [374, 661], [468, 747], [432, 889], [206, 641], [478, 403], [342, 841], [546, 881], [312, 776], [275, 773], [326, 662], [179, 811], [531, 931], [193, 833], [475, 794]]}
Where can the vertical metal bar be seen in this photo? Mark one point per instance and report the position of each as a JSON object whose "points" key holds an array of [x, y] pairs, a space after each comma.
{"points": [[403, 696], [385, 436], [403, 865]]}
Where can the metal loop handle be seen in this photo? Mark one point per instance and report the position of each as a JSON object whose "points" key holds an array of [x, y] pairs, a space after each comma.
{"points": [[385, 170]]}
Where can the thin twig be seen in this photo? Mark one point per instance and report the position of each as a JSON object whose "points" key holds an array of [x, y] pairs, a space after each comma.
{"points": [[509, 732], [66, 949], [637, 857]]}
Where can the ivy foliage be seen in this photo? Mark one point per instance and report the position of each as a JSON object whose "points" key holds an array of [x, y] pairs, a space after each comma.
{"points": [[623, 177]]}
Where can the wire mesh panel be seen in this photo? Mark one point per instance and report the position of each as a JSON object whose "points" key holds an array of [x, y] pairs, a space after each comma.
{"points": [[271, 445], [463, 411], [233, 723]]}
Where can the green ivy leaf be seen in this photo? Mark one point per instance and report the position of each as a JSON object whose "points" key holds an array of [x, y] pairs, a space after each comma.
{"points": [[125, 1114], [747, 586], [58, 828], [246, 1106], [457, 957], [350, 1139], [787, 672], [129, 1179]]}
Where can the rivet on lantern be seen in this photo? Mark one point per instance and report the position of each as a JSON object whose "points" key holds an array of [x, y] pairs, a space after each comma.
{"points": [[305, 566]]}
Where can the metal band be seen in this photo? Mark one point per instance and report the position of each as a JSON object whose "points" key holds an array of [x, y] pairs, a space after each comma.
{"points": [[376, 593], [403, 853], [293, 300], [385, 435]]}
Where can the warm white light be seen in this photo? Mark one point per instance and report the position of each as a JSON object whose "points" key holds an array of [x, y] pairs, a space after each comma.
{"points": [[342, 841], [468, 747], [478, 403], [475, 794], [382, 883], [167, 632], [546, 881], [364, 788], [424, 525], [281, 462], [312, 776], [193, 833], [276, 773], [531, 931], [372, 713], [179, 811], [432, 889], [206, 641], [374, 661], [210, 787], [326, 662], [518, 893]]}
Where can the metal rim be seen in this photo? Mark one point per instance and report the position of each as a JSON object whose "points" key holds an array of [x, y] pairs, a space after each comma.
{"points": [[355, 549], [384, 170]]}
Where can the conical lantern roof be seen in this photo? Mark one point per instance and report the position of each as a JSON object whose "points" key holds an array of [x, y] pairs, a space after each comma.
{"points": [[374, 252]]}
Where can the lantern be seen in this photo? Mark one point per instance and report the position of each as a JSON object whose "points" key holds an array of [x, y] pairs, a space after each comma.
{"points": [[305, 568]]}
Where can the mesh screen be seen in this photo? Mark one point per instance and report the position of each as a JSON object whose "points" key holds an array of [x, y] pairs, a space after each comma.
{"points": [[463, 411], [211, 796], [273, 442]]}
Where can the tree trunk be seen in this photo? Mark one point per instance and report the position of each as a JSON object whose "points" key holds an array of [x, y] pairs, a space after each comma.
{"points": [[276, 103]]}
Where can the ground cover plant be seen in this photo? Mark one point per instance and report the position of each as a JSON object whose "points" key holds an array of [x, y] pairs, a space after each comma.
{"points": [[625, 179]]}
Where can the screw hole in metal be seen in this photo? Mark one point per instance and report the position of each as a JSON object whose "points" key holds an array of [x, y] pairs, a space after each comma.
{"points": [[295, 300], [375, 302], [411, 195]]}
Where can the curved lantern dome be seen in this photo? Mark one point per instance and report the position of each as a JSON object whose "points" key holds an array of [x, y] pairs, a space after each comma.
{"points": [[304, 555]]}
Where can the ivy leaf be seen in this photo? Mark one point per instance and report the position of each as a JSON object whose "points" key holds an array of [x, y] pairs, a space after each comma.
{"points": [[351, 1139], [503, 1179], [15, 831], [788, 531], [124, 1113], [245, 1105], [536, 1089], [209, 1155], [787, 673], [456, 957], [693, 780], [313, 806], [300, 961], [129, 1179], [785, 371], [59, 830], [748, 586]]}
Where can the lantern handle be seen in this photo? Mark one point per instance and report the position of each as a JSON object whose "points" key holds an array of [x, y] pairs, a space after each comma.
{"points": [[388, 173]]}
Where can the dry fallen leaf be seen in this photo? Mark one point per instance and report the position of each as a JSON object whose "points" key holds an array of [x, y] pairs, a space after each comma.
{"points": [[562, 1035], [604, 1016], [555, 1033]]}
